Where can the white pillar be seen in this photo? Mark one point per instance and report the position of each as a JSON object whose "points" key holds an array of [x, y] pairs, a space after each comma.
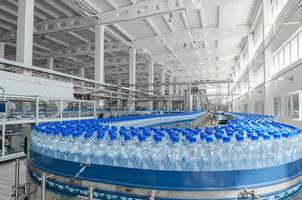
{"points": [[119, 101], [250, 83], [82, 75], [2, 50], [162, 80], [82, 72], [176, 87], [268, 59], [25, 32], [189, 102], [50, 66], [132, 75], [170, 103], [99, 57], [151, 81], [162, 88], [99, 53]]}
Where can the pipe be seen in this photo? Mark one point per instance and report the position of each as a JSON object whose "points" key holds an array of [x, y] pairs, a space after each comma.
{"points": [[90, 197], [43, 187], [184, 83], [17, 173], [3, 91]]}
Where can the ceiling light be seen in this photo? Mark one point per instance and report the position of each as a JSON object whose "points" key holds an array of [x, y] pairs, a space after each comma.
{"points": [[185, 46], [171, 18], [291, 78], [193, 45], [44, 40]]}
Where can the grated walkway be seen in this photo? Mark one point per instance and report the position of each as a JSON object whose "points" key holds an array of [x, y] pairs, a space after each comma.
{"points": [[7, 178]]}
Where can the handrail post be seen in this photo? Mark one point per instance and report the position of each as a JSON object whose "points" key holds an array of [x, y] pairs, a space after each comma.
{"points": [[3, 125], [17, 173], [43, 187], [90, 197]]}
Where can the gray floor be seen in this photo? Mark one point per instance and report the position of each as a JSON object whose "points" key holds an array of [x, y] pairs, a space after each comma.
{"points": [[7, 178]]}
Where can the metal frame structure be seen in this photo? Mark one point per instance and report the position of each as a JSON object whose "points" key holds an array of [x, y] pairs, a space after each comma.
{"points": [[37, 119]]}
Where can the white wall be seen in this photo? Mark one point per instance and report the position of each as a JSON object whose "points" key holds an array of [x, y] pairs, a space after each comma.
{"points": [[18, 84], [275, 88]]}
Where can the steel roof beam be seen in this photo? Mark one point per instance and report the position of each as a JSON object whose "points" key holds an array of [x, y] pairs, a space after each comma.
{"points": [[199, 34], [201, 53], [87, 49], [51, 26]]}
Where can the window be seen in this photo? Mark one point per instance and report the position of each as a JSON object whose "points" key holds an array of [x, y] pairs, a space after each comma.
{"points": [[296, 106], [286, 56], [294, 50], [300, 45], [281, 61], [277, 106], [246, 107], [288, 107], [276, 64], [276, 7]]}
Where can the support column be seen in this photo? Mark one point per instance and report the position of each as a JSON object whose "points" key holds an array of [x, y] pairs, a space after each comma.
{"points": [[50, 66], [170, 103], [151, 81], [119, 101], [99, 57], [82, 75], [189, 100], [2, 50], [132, 75], [176, 87], [162, 88], [25, 33], [268, 59], [82, 72], [250, 72]]}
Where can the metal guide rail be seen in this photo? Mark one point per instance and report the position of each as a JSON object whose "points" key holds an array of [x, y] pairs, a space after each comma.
{"points": [[74, 179]]}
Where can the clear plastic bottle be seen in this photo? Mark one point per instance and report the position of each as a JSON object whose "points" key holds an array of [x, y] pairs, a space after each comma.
{"points": [[210, 153], [158, 154], [192, 154], [86, 149], [226, 159], [175, 154]]}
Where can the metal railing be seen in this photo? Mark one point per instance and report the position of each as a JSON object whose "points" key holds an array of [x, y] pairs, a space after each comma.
{"points": [[85, 84]]}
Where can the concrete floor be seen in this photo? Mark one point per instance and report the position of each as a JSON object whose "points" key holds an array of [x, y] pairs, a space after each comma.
{"points": [[7, 178]]}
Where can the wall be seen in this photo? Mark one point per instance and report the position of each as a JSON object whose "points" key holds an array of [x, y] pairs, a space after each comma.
{"points": [[275, 88], [18, 84]]}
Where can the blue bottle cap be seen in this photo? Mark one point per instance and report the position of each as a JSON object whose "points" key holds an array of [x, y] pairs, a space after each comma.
{"points": [[277, 135], [127, 137], [254, 138], [142, 137], [266, 137], [192, 139], [218, 136], [175, 139], [100, 135], [203, 136], [209, 139], [285, 135], [239, 138], [157, 138], [226, 139]]}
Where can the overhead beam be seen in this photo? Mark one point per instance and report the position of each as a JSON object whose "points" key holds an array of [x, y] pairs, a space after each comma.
{"points": [[201, 53], [200, 67], [51, 26], [139, 10], [87, 49], [199, 34], [187, 83]]}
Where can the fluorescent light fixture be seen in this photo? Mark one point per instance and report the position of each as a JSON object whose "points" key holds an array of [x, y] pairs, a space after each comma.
{"points": [[291, 78]]}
